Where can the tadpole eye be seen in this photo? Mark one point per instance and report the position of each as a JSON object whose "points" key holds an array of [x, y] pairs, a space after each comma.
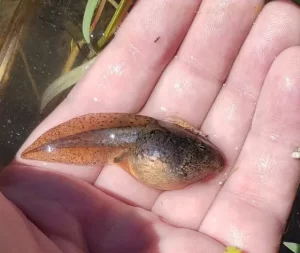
{"points": [[200, 146], [153, 132], [157, 133]]}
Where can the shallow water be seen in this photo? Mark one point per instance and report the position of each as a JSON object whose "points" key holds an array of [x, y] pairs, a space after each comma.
{"points": [[45, 41]]}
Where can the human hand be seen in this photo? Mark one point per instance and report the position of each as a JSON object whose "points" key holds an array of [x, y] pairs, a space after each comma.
{"points": [[252, 118]]}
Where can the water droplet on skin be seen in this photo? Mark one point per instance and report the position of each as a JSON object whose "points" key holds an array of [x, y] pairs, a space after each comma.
{"points": [[191, 60], [116, 69], [274, 137], [231, 111], [265, 163], [192, 57], [133, 50], [238, 237], [287, 84], [163, 108], [224, 179], [180, 86], [103, 84]]}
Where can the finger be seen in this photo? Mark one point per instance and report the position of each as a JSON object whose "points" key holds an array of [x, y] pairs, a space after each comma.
{"points": [[257, 198], [14, 227], [230, 117], [126, 71], [194, 77], [274, 31], [74, 215]]}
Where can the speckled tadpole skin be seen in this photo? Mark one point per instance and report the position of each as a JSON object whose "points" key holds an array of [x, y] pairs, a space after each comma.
{"points": [[160, 154]]}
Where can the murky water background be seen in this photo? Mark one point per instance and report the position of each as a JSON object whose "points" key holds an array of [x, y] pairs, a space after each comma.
{"points": [[50, 26]]}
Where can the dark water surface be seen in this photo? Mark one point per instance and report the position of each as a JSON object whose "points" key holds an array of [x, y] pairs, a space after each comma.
{"points": [[45, 41]]}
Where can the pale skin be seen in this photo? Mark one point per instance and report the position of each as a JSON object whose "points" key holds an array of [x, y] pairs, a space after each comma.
{"points": [[254, 119]]}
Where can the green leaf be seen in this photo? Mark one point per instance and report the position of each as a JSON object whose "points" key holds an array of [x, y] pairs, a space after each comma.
{"points": [[295, 247], [115, 21], [87, 18], [64, 82]]}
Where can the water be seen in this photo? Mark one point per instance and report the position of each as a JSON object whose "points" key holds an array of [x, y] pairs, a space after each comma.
{"points": [[44, 49]]}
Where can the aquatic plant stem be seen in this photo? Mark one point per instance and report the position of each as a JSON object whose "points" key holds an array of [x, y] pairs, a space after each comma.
{"points": [[114, 3], [116, 20], [72, 58], [32, 81], [98, 15]]}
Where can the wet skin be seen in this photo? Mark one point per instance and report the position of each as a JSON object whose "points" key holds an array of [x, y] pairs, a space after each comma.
{"points": [[165, 155]]}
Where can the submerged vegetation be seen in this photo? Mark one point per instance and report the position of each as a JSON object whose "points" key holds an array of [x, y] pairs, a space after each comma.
{"points": [[98, 23], [46, 46], [93, 12]]}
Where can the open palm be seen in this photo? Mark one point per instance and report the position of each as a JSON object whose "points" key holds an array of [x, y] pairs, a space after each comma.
{"points": [[204, 62]]}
